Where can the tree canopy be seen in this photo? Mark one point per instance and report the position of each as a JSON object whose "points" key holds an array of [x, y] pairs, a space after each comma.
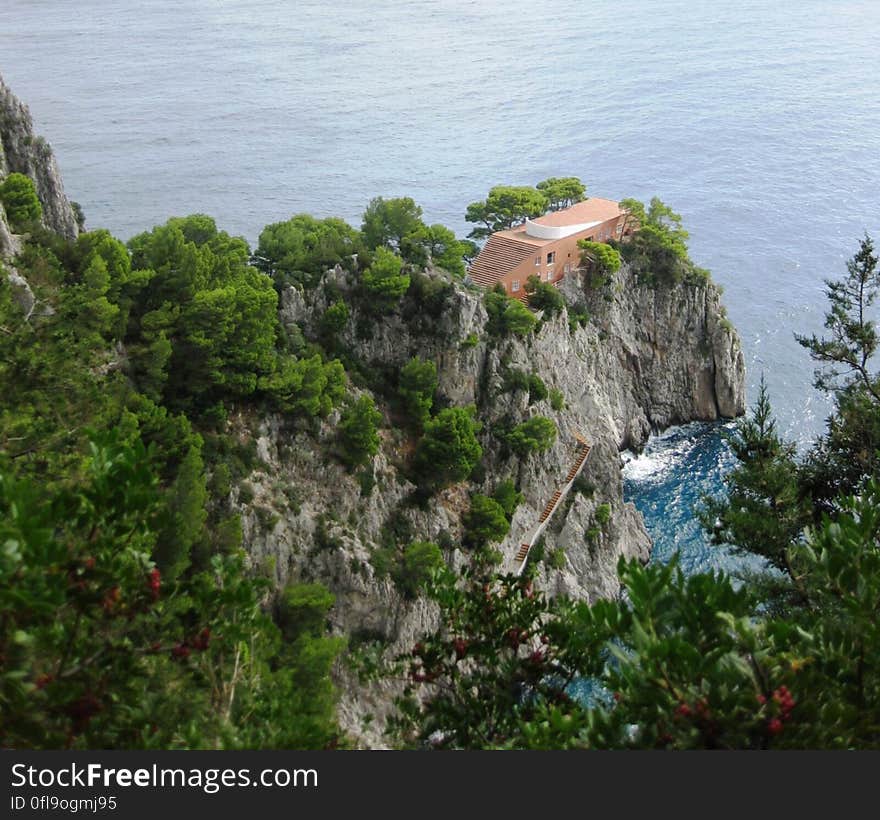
{"points": [[299, 250], [449, 450], [19, 198], [562, 192], [504, 207]]}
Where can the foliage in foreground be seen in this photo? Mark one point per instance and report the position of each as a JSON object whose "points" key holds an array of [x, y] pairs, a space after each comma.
{"points": [[101, 651], [679, 663]]}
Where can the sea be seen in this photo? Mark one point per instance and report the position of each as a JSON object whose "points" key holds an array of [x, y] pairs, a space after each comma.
{"points": [[758, 121]]}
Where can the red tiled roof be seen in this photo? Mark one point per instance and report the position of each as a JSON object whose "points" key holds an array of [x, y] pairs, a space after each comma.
{"points": [[499, 256], [593, 209]]}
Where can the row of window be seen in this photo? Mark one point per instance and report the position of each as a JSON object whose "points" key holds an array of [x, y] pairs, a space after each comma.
{"points": [[515, 284]]}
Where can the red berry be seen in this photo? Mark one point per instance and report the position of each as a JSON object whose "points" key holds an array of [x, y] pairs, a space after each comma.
{"points": [[460, 645], [617, 697], [89, 563], [201, 641], [43, 681], [761, 699], [180, 652], [683, 710], [774, 726]]}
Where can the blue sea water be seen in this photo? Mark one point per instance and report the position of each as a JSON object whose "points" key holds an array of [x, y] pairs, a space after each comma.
{"points": [[758, 121]]}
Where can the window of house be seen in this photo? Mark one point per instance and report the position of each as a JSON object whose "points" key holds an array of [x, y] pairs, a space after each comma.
{"points": [[551, 257], [537, 261], [515, 285], [549, 275]]}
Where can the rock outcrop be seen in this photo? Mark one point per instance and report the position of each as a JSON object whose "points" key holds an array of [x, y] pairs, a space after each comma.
{"points": [[647, 359], [23, 152]]}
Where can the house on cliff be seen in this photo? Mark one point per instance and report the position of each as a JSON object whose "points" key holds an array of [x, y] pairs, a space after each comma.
{"points": [[545, 247]]}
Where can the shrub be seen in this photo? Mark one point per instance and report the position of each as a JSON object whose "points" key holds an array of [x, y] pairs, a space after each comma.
{"points": [[19, 197], [448, 450], [335, 318], [418, 561], [485, 521], [418, 382], [556, 558], [603, 514], [471, 340], [544, 297], [515, 380], [358, 433], [537, 388], [303, 609], [508, 497], [507, 315], [384, 279], [533, 436], [557, 400]]}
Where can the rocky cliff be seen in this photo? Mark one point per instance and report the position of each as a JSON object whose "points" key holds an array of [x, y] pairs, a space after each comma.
{"points": [[642, 358], [22, 151], [648, 358]]}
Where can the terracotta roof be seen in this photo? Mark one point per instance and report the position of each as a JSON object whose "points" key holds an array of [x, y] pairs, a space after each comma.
{"points": [[500, 255], [593, 209]]}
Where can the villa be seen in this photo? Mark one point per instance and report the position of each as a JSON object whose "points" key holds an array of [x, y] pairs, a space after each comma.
{"points": [[545, 247]]}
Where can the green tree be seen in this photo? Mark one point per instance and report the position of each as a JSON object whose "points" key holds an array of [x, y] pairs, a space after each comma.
{"points": [[534, 435], [449, 450], [508, 497], [310, 387], [416, 388], [384, 279], [358, 431], [485, 522], [847, 453], [94, 636], [601, 261], [657, 252], [445, 251], [416, 565], [762, 512], [845, 354], [335, 318], [19, 198], [507, 315], [562, 192], [387, 222], [299, 250], [634, 214], [544, 297], [506, 206], [185, 516]]}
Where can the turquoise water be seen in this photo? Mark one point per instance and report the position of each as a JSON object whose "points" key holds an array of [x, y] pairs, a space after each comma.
{"points": [[758, 121]]}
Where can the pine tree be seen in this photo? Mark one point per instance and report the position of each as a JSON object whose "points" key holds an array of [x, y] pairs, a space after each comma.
{"points": [[763, 512]]}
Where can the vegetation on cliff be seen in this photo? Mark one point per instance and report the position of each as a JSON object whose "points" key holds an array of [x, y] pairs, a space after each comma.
{"points": [[787, 658]]}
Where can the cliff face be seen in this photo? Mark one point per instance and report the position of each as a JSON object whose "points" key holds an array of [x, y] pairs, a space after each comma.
{"points": [[647, 359], [23, 152]]}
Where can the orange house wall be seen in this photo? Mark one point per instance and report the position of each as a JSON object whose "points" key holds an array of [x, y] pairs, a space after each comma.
{"points": [[566, 250]]}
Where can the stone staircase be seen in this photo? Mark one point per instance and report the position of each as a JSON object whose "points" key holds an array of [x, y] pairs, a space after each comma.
{"points": [[559, 495]]}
